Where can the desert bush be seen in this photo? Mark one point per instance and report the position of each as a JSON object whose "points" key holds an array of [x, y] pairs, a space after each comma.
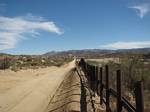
{"points": [[5, 64], [14, 68], [133, 70]]}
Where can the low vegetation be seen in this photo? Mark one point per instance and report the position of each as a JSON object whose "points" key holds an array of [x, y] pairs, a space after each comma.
{"points": [[18, 62]]}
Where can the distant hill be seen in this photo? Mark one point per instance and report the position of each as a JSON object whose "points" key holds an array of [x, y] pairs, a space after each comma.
{"points": [[79, 52], [139, 50], [96, 52], [88, 53]]}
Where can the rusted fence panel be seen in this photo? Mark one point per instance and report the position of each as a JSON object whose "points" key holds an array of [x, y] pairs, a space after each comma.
{"points": [[95, 77]]}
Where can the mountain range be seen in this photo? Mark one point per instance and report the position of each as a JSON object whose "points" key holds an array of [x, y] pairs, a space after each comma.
{"points": [[96, 52]]}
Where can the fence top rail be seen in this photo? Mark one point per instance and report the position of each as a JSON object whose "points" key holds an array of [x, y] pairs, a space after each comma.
{"points": [[125, 102]]}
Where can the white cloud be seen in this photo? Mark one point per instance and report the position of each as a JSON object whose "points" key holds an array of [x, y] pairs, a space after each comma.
{"points": [[127, 45], [141, 9], [12, 30]]}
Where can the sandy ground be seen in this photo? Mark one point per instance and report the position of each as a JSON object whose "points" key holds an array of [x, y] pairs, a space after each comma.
{"points": [[30, 90], [67, 97]]}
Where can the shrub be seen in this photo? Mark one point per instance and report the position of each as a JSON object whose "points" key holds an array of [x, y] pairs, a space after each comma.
{"points": [[5, 64]]}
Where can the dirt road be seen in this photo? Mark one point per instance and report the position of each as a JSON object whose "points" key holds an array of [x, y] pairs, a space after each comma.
{"points": [[33, 94]]}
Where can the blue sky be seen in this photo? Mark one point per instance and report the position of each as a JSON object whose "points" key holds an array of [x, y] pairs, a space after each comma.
{"points": [[38, 26]]}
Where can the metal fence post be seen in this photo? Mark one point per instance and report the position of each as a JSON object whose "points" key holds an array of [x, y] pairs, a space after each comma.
{"points": [[107, 88], [90, 76], [119, 105], [97, 80], [94, 79], [101, 85], [86, 69], [139, 96]]}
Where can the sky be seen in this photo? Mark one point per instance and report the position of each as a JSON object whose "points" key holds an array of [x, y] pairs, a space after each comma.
{"points": [[39, 26]]}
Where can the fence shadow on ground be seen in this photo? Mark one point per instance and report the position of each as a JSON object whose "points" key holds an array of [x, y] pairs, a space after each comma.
{"points": [[67, 94]]}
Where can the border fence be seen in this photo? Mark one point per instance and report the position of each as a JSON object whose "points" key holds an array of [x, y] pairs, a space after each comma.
{"points": [[98, 84]]}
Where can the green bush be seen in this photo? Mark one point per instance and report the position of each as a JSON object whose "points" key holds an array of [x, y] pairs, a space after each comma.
{"points": [[5, 64]]}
